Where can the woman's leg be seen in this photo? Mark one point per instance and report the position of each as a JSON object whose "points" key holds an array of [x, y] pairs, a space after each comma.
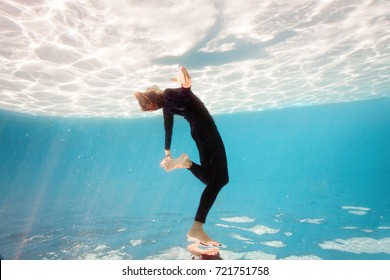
{"points": [[213, 172], [207, 199], [200, 172], [217, 180], [210, 194]]}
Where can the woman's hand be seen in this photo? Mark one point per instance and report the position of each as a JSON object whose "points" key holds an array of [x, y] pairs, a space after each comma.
{"points": [[168, 158]]}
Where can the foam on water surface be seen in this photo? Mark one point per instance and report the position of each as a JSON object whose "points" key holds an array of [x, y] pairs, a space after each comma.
{"points": [[359, 245], [87, 58], [356, 210], [243, 219]]}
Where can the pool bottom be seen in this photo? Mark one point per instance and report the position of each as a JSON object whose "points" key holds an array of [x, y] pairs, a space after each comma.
{"points": [[304, 183], [326, 224]]}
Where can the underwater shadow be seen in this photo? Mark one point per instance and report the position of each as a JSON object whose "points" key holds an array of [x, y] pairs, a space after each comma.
{"points": [[200, 252]]}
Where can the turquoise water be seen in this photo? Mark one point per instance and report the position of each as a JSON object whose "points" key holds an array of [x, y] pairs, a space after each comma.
{"points": [[310, 182]]}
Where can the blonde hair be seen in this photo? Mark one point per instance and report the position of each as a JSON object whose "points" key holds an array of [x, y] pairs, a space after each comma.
{"points": [[151, 99]]}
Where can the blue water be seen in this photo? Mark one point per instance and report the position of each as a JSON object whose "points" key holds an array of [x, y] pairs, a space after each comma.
{"points": [[310, 182]]}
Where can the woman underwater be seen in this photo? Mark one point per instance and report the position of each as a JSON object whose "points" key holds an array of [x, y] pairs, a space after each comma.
{"points": [[213, 169]]}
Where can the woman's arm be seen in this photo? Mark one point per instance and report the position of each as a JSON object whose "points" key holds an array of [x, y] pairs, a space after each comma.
{"points": [[185, 80], [168, 126]]}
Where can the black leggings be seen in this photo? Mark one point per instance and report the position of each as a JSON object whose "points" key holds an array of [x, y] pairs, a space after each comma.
{"points": [[213, 172]]}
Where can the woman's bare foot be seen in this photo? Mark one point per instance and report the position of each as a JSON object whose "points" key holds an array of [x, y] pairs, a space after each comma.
{"points": [[197, 233], [197, 251], [181, 162], [183, 77]]}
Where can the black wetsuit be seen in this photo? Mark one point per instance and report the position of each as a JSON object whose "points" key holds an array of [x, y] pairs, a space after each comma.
{"points": [[213, 170]]}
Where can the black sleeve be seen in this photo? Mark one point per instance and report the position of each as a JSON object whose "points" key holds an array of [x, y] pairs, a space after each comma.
{"points": [[168, 125]]}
